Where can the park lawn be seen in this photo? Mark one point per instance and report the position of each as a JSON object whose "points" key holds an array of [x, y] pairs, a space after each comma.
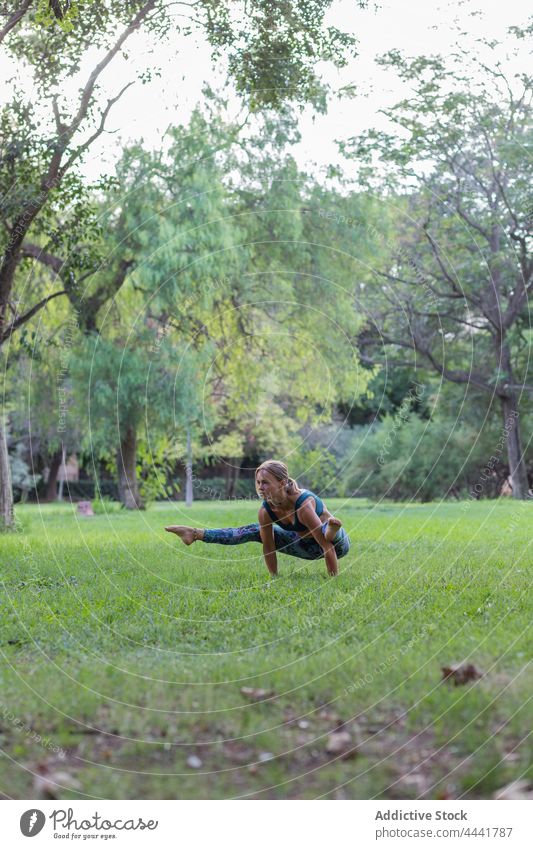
{"points": [[126, 652]]}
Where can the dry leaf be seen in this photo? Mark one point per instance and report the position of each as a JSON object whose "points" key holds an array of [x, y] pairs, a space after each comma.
{"points": [[522, 789], [255, 694], [50, 783], [460, 673], [328, 716], [341, 743]]}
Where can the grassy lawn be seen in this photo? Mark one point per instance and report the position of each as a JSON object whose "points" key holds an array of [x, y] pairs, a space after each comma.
{"points": [[127, 651]]}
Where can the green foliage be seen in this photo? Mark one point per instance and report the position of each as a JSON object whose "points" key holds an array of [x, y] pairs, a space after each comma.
{"points": [[157, 458], [22, 479], [118, 385], [405, 458], [214, 489], [314, 468], [104, 504], [273, 48], [448, 290]]}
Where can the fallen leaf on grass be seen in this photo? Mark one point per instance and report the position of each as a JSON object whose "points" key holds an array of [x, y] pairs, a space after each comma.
{"points": [[415, 782], [460, 673], [341, 743], [256, 694], [328, 716], [522, 789], [50, 783], [238, 752]]}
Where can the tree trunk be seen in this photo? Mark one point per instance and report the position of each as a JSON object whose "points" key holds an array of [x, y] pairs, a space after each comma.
{"points": [[236, 475], [232, 476], [7, 516], [127, 473], [51, 484], [188, 472], [62, 481], [517, 466]]}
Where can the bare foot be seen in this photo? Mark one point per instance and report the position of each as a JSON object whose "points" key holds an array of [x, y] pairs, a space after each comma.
{"points": [[333, 528], [186, 534]]}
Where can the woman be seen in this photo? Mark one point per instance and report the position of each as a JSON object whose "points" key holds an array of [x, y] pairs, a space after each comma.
{"points": [[291, 520]]}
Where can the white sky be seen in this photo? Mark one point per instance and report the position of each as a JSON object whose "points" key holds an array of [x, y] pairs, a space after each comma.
{"points": [[417, 26]]}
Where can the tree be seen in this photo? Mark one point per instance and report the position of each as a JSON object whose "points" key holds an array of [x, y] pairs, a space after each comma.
{"points": [[459, 272], [272, 51], [286, 361], [125, 384]]}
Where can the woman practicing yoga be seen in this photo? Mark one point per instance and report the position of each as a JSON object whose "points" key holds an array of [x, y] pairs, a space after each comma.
{"points": [[291, 520]]}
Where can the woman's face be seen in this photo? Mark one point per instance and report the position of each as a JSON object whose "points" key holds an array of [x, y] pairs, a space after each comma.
{"points": [[268, 486]]}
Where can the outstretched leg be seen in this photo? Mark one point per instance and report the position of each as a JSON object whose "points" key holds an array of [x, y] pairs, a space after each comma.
{"points": [[221, 536], [287, 542]]}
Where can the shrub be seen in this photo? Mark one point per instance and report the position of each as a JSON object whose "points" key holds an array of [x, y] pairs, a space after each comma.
{"points": [[105, 504], [416, 459]]}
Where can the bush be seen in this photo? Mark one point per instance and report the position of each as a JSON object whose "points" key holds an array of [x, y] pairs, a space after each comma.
{"points": [[316, 469], [23, 481], [105, 504], [410, 458], [214, 489], [87, 490]]}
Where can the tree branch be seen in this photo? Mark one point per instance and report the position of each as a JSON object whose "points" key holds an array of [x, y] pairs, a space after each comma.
{"points": [[453, 375], [417, 283], [447, 275], [100, 129], [14, 19], [60, 126], [35, 252], [53, 174], [94, 303], [52, 177], [22, 319], [399, 363]]}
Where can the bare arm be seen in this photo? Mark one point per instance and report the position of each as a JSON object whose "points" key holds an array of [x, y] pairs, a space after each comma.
{"points": [[307, 515], [269, 544]]}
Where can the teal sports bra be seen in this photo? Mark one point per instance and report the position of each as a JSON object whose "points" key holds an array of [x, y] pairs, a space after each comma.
{"points": [[297, 526]]}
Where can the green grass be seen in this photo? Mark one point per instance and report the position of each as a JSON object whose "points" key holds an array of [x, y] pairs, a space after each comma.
{"points": [[127, 651]]}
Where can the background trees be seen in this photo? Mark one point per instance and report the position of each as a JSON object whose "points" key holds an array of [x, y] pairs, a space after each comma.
{"points": [[452, 285], [42, 134], [226, 305]]}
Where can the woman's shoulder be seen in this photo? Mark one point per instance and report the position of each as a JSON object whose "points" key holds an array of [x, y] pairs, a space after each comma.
{"points": [[310, 498], [307, 496], [294, 496]]}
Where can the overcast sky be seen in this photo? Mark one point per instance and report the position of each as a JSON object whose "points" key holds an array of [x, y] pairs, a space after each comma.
{"points": [[417, 26]]}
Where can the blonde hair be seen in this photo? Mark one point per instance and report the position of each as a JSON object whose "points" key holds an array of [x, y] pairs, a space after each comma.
{"points": [[278, 470]]}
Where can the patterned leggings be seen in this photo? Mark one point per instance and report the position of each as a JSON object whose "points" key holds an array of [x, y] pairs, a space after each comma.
{"points": [[287, 542]]}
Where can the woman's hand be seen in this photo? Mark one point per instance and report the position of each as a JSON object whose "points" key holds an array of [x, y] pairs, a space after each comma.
{"points": [[332, 564]]}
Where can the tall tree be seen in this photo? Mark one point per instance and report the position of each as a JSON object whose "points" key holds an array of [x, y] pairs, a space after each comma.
{"points": [[458, 271]]}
